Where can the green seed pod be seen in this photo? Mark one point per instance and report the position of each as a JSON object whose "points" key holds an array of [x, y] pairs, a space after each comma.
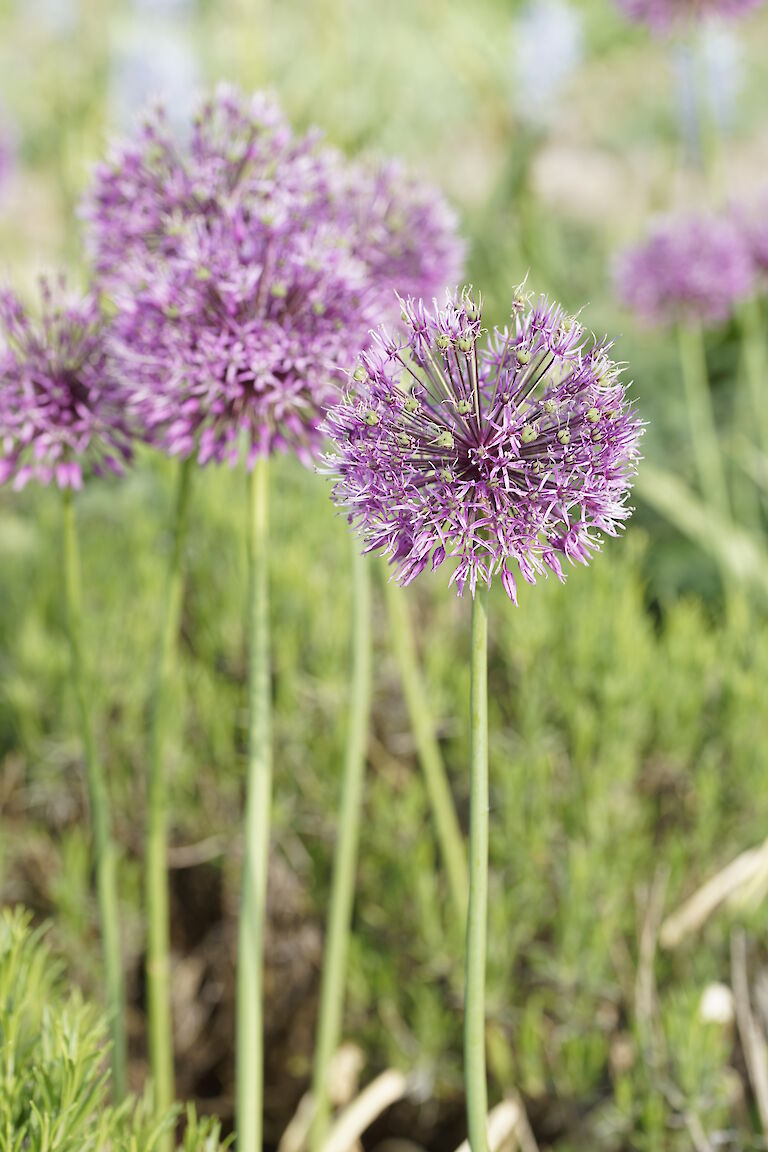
{"points": [[463, 407], [411, 404], [360, 375], [444, 439], [523, 356], [529, 433], [564, 436], [465, 343], [593, 415], [443, 341], [279, 291], [550, 407], [371, 418]]}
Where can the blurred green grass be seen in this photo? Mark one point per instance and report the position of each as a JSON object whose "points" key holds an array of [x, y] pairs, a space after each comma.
{"points": [[629, 733]]}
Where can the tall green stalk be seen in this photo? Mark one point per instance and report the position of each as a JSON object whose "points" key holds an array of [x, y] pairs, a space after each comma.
{"points": [[104, 852], [250, 955], [755, 354], [447, 827], [477, 918], [158, 925], [706, 446], [347, 837]]}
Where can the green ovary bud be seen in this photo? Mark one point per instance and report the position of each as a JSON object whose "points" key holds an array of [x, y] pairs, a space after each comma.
{"points": [[529, 433], [360, 375], [404, 315], [463, 407], [472, 311], [523, 356], [442, 341], [371, 418], [465, 343], [403, 439], [564, 436], [279, 291], [446, 474], [411, 404], [593, 415], [550, 407], [444, 440]]}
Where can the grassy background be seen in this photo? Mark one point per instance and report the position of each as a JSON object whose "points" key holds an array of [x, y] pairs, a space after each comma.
{"points": [[628, 724]]}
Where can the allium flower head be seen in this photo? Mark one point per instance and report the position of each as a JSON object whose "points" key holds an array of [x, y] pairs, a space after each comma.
{"points": [[241, 277], [687, 268], [510, 452], [401, 228], [752, 222], [61, 405], [663, 15]]}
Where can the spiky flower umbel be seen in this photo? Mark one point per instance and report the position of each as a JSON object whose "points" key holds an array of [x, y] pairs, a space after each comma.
{"points": [[62, 407], [663, 15], [245, 267], [499, 454], [689, 268]]}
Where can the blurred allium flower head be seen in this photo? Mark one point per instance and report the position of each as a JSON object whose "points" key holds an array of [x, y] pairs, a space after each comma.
{"points": [[502, 454], [401, 228], [61, 405], [551, 30], [664, 15], [752, 221], [242, 278], [689, 268]]}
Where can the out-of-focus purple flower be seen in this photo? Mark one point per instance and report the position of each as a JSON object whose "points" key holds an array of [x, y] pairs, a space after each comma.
{"points": [[402, 229], [247, 267], [513, 455], [663, 15], [62, 410], [752, 221], [688, 268]]}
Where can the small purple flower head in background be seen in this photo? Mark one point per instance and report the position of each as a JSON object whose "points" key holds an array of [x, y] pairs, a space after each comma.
{"points": [[243, 280], [752, 221], [509, 455], [61, 405], [402, 230], [689, 268], [666, 15]]}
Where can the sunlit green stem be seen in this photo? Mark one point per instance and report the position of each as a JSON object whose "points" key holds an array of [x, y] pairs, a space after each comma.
{"points": [[477, 918], [347, 836], [755, 353], [706, 446], [158, 927], [250, 956], [104, 853], [447, 827]]}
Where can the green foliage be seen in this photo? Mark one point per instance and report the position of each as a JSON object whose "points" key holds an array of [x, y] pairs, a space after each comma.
{"points": [[54, 1083]]}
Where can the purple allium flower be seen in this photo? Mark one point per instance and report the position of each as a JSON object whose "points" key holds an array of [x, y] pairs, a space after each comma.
{"points": [[402, 229], [688, 268], [242, 276], [518, 453], [752, 221], [61, 405], [662, 15]]}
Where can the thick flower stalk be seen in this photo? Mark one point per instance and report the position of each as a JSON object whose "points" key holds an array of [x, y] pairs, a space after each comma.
{"points": [[667, 15], [494, 456], [499, 457], [61, 416]]}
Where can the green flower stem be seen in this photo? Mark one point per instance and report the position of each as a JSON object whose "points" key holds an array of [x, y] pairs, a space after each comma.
{"points": [[706, 446], [104, 852], [477, 919], [755, 354], [447, 827], [250, 955], [160, 1023], [348, 834]]}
